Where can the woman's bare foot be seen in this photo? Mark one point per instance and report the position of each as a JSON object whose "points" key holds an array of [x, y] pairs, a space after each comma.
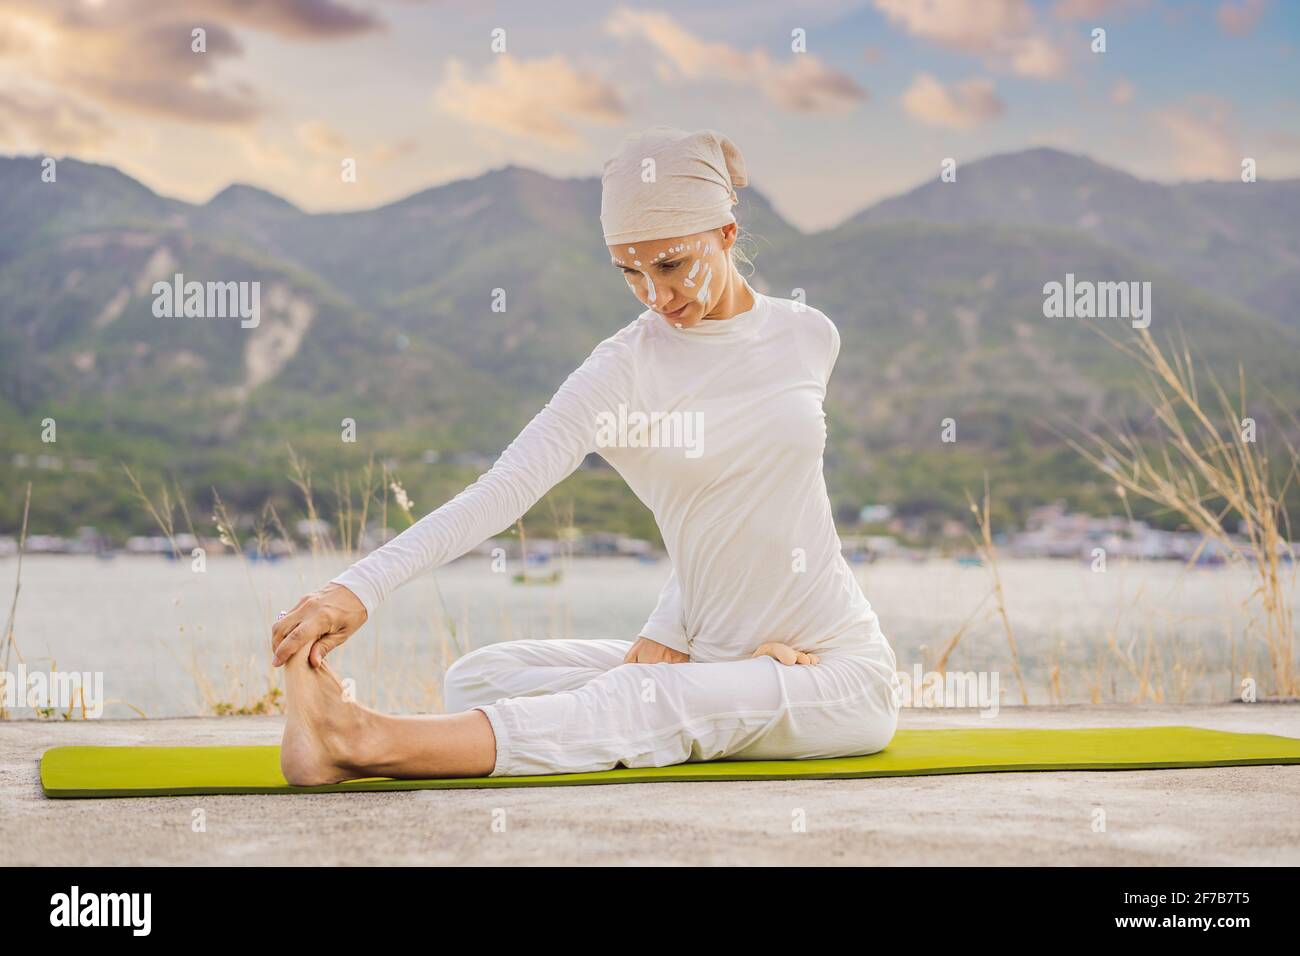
{"points": [[326, 736]]}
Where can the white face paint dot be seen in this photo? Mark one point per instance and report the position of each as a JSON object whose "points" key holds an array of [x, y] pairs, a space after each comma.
{"points": [[631, 248], [636, 262]]}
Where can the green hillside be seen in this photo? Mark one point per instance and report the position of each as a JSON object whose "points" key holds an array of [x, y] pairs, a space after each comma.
{"points": [[385, 317]]}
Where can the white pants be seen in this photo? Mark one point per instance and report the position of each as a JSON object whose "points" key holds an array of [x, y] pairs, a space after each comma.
{"points": [[568, 706]]}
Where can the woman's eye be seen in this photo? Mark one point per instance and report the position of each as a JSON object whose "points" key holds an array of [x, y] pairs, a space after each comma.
{"points": [[670, 266]]}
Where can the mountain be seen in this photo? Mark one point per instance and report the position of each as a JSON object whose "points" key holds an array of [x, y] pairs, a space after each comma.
{"points": [[1237, 239], [240, 199], [83, 196], [385, 317]]}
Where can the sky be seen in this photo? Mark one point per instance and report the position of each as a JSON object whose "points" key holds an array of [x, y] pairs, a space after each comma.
{"points": [[834, 104]]}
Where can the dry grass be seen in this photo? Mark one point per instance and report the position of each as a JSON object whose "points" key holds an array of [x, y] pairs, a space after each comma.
{"points": [[988, 554], [1139, 658], [241, 683], [10, 642], [1204, 468]]}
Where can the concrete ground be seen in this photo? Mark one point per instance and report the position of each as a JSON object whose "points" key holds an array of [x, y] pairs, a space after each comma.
{"points": [[1226, 816]]}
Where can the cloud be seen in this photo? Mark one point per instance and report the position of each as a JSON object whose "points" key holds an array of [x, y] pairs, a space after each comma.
{"points": [[1089, 9], [533, 98], [1122, 92], [151, 69], [687, 54], [960, 106], [804, 83], [136, 55], [30, 120], [1201, 137], [1242, 17], [1034, 56], [321, 138], [296, 19], [1003, 32], [388, 152], [324, 140]]}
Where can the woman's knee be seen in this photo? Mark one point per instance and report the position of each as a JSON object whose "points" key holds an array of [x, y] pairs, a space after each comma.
{"points": [[465, 680], [878, 733]]}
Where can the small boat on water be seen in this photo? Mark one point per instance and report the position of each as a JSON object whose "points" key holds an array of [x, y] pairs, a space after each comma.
{"points": [[553, 576], [524, 577]]}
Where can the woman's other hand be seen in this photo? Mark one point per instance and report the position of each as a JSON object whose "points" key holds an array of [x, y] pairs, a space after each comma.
{"points": [[785, 654], [325, 618], [646, 651]]}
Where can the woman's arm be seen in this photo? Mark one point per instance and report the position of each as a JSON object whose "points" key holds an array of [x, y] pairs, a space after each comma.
{"points": [[667, 624], [548, 450]]}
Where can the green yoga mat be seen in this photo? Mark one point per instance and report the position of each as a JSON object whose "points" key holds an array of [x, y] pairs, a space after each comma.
{"points": [[183, 771]]}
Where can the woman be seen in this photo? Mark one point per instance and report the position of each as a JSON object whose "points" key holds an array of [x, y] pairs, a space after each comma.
{"points": [[762, 645]]}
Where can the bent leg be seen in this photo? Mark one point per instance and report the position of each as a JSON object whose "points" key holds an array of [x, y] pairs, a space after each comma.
{"points": [[527, 668], [654, 715]]}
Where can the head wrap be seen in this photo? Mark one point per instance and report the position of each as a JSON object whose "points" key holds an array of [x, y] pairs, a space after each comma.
{"points": [[693, 188]]}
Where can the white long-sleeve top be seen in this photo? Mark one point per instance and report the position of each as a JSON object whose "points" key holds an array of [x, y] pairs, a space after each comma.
{"points": [[733, 478]]}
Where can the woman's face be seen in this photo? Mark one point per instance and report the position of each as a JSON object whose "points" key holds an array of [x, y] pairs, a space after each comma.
{"points": [[680, 278]]}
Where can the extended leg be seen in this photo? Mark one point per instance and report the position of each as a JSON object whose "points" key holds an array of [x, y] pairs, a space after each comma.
{"points": [[328, 738]]}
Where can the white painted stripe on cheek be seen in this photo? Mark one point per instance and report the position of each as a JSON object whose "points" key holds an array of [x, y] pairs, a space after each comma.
{"points": [[695, 267], [703, 295]]}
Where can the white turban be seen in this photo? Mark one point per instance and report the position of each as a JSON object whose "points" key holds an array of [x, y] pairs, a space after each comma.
{"points": [[694, 187]]}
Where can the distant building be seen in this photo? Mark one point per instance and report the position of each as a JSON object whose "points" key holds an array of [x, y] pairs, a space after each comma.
{"points": [[608, 543], [1052, 532], [471, 459], [313, 529], [869, 547], [875, 514]]}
